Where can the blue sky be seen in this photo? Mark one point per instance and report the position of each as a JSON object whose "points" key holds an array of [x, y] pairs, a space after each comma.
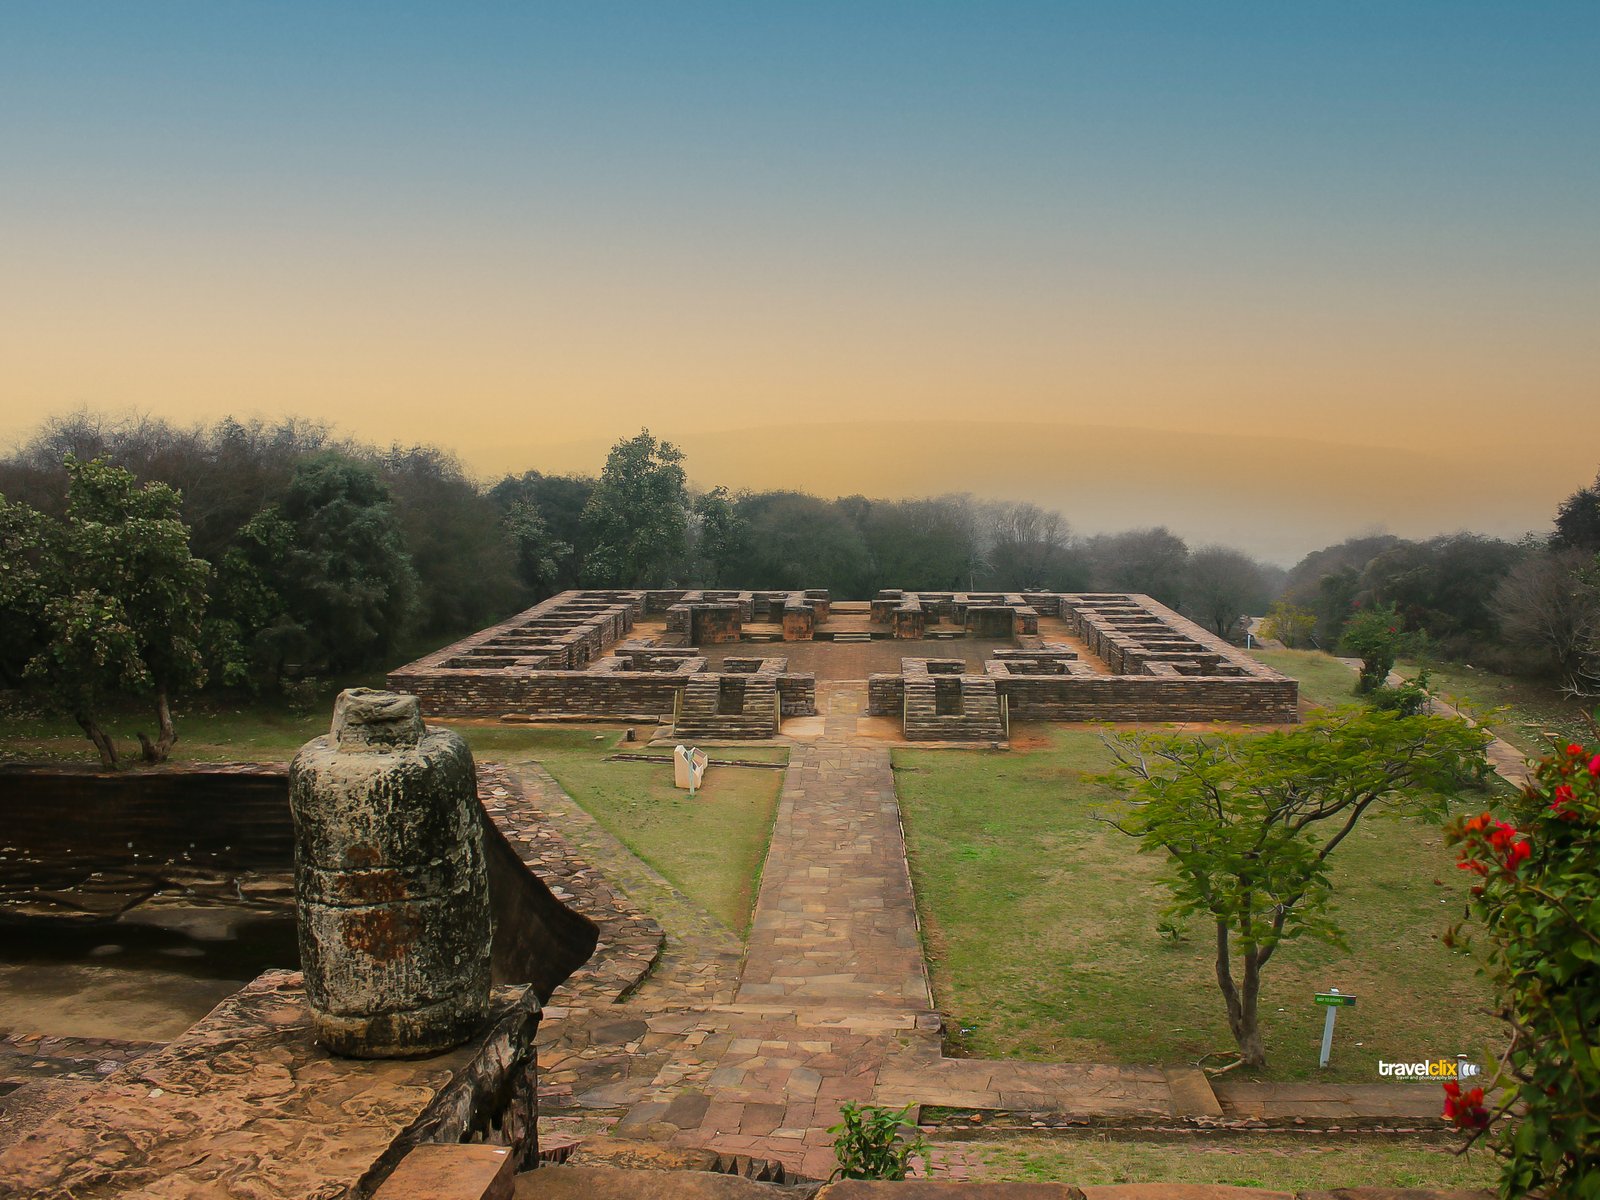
{"points": [[1354, 223]]}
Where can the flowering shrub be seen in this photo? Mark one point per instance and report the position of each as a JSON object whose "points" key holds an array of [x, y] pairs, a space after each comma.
{"points": [[1465, 1109], [1539, 902], [1376, 635]]}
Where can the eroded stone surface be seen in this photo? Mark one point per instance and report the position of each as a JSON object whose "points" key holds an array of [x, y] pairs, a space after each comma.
{"points": [[245, 1104]]}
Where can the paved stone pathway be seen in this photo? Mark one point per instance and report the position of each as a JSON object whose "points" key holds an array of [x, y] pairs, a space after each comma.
{"points": [[835, 925], [833, 984]]}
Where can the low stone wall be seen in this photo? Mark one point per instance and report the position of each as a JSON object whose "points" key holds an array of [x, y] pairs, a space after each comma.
{"points": [[225, 817], [886, 695], [1164, 667], [715, 624], [799, 621], [1149, 698], [564, 632], [583, 693], [797, 695]]}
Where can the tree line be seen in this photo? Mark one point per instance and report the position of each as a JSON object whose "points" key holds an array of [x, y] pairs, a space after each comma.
{"points": [[145, 557], [1525, 607]]}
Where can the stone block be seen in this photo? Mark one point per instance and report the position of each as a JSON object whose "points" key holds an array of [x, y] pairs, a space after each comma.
{"points": [[451, 1171]]}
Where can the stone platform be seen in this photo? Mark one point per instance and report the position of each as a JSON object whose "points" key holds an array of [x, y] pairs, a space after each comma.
{"points": [[245, 1104]]}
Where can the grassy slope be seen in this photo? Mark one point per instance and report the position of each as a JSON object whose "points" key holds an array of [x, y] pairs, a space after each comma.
{"points": [[1267, 1161], [1528, 713], [1324, 680], [711, 846]]}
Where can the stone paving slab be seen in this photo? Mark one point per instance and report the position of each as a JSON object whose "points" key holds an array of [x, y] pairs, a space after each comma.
{"points": [[1067, 1088], [245, 1104], [1356, 1103], [611, 1028], [835, 924]]}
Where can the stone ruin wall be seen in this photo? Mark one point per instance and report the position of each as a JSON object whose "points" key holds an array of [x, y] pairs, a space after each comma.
{"points": [[1163, 667], [548, 659], [551, 660]]}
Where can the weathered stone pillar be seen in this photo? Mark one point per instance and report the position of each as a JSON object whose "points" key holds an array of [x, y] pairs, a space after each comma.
{"points": [[390, 883]]}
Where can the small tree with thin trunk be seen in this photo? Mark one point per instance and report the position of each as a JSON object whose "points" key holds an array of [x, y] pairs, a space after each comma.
{"points": [[1248, 822], [123, 602]]}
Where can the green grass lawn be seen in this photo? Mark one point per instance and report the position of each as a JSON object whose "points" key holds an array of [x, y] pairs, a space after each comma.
{"points": [[1529, 713], [1325, 682], [711, 846], [1041, 928], [1281, 1162], [210, 729]]}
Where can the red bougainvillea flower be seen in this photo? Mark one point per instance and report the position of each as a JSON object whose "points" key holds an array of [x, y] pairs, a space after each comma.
{"points": [[1517, 854], [1477, 823], [1594, 766], [1465, 1110], [1564, 797], [1500, 837], [1575, 750]]}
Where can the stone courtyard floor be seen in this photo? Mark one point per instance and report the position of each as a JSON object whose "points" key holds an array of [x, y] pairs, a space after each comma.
{"points": [[750, 1048]]}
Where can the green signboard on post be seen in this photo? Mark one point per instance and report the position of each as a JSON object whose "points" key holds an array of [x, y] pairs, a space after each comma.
{"points": [[1335, 1000]]}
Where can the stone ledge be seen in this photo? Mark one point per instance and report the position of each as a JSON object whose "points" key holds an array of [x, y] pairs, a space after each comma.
{"points": [[451, 1171], [245, 1104]]}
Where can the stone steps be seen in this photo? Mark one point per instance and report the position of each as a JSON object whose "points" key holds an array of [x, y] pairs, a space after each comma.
{"points": [[698, 716], [978, 720]]}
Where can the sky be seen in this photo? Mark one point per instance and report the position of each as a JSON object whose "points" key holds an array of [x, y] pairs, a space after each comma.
{"points": [[1267, 273]]}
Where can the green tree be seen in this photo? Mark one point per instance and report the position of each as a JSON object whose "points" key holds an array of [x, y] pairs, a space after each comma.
{"points": [[347, 579], [637, 519], [1151, 561], [559, 501], [1220, 586], [1578, 521], [800, 541], [1248, 822], [464, 562], [1538, 913], [1029, 547], [720, 537], [25, 581], [251, 634], [1377, 636], [124, 603], [538, 552], [1548, 609], [1289, 624]]}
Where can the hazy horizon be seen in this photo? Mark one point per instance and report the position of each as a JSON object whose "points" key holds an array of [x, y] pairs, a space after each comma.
{"points": [[1339, 263], [1247, 491]]}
